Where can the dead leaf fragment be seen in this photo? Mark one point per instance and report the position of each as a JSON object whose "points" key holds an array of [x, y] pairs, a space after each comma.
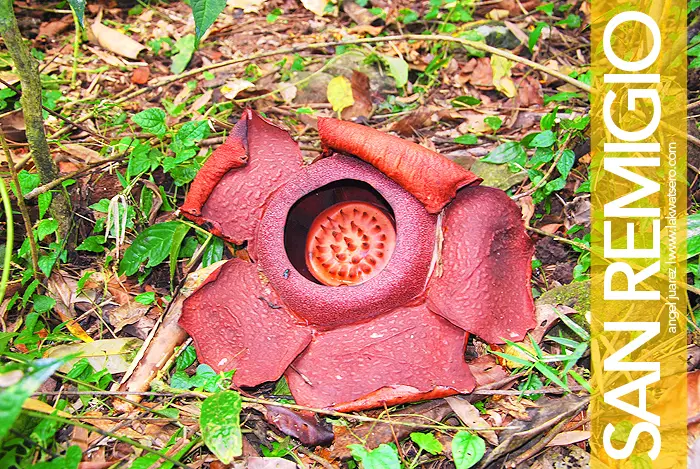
{"points": [[116, 42], [501, 75], [232, 88], [529, 92], [140, 76], [115, 355], [339, 93], [471, 417], [568, 438], [317, 7], [362, 107], [248, 6]]}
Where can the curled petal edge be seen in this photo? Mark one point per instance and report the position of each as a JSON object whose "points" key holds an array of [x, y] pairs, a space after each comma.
{"points": [[229, 193], [427, 175]]}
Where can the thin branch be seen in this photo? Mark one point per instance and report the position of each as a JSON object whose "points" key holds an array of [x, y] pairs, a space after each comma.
{"points": [[54, 113], [58, 181], [322, 45], [33, 249]]}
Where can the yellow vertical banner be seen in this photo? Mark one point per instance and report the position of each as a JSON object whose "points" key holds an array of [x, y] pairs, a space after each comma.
{"points": [[638, 192]]}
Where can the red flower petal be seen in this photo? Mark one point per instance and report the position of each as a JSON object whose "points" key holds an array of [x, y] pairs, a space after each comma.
{"points": [[231, 189], [485, 285], [429, 176], [237, 323], [406, 355]]}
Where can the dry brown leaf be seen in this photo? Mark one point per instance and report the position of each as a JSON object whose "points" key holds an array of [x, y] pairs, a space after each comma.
{"points": [[115, 355], [140, 75], [362, 107], [40, 406], [358, 14], [317, 7], [64, 295], [53, 28], [471, 417], [128, 313], [366, 29], [116, 42], [568, 438], [529, 92], [248, 6], [372, 434], [84, 154], [201, 101], [231, 88]]}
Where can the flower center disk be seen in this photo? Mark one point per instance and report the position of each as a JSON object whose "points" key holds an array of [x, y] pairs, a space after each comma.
{"points": [[349, 243]]}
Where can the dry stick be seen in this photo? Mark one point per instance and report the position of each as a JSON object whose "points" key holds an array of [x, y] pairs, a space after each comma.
{"points": [[54, 113], [320, 45], [558, 238], [22, 209]]}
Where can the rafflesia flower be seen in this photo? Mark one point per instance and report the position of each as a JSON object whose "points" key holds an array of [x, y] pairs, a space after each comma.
{"points": [[369, 268]]}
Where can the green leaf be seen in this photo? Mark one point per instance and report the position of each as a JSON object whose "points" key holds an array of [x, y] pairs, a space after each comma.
{"points": [[151, 121], [186, 358], [505, 152], [43, 304], [27, 181], [566, 162], [467, 449], [572, 21], [339, 93], [549, 373], [185, 47], [398, 68], [46, 227], [143, 158], [71, 460], [78, 6], [466, 139], [205, 13], [561, 97], [544, 139], [383, 457], [464, 101], [427, 442], [190, 134], [535, 35], [146, 298], [12, 397], [541, 156], [151, 246], [693, 235], [547, 8], [92, 244], [547, 121], [214, 252], [494, 122], [179, 234], [44, 201], [407, 16], [220, 424]]}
